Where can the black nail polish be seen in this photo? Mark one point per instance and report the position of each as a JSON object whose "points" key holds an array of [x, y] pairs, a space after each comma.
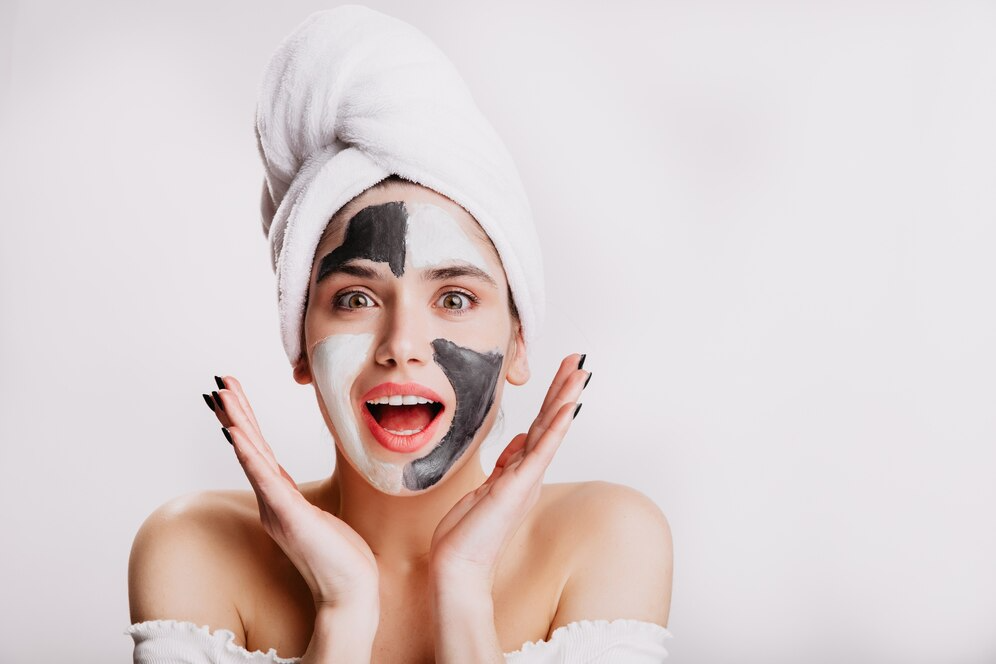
{"points": [[581, 361], [577, 410], [221, 383], [217, 399], [208, 401], [228, 436], [587, 380]]}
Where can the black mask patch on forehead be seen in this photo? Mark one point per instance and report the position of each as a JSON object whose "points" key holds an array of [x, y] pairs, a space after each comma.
{"points": [[474, 377], [377, 233]]}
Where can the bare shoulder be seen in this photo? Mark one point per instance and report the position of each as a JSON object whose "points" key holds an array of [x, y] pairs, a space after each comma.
{"points": [[186, 557], [622, 560]]}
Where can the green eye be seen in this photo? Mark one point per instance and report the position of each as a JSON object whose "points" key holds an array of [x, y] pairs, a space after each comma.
{"points": [[355, 300]]}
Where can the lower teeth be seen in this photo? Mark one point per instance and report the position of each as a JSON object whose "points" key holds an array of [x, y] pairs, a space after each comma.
{"points": [[406, 432]]}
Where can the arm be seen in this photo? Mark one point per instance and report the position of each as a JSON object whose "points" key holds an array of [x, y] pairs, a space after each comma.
{"points": [[470, 540], [180, 568], [464, 621], [624, 561], [342, 635]]}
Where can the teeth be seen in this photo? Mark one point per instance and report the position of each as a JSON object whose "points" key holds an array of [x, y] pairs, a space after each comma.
{"points": [[406, 432], [400, 400]]}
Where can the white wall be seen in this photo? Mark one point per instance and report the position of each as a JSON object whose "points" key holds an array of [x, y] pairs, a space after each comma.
{"points": [[770, 225]]}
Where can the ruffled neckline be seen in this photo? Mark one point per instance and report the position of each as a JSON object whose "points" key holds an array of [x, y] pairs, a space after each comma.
{"points": [[227, 634], [577, 627]]}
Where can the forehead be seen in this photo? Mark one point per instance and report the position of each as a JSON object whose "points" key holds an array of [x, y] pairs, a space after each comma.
{"points": [[438, 209]]}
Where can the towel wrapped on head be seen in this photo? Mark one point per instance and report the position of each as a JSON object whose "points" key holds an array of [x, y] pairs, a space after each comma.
{"points": [[352, 96]]}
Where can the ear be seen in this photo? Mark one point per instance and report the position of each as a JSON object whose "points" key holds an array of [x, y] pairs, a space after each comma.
{"points": [[518, 366], [302, 371]]}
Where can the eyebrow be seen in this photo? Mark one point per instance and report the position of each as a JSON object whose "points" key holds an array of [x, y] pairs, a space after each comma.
{"points": [[453, 271], [330, 265]]}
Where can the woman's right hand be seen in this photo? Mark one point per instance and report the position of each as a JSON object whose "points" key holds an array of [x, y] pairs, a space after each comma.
{"points": [[335, 562]]}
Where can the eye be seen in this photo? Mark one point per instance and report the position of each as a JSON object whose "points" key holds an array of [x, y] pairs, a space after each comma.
{"points": [[456, 301], [354, 300]]}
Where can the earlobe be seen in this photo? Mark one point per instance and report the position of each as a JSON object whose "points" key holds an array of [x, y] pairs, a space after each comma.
{"points": [[302, 372], [518, 368]]}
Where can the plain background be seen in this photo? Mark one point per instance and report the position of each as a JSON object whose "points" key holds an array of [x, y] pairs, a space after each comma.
{"points": [[770, 226]]}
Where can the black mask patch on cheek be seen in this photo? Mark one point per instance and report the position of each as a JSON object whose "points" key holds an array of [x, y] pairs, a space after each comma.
{"points": [[474, 377], [377, 233]]}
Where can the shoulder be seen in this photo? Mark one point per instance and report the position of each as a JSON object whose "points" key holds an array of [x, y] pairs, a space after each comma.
{"points": [[185, 559], [621, 554]]}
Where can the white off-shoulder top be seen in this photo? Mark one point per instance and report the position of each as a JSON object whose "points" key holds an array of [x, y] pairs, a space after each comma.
{"points": [[621, 641]]}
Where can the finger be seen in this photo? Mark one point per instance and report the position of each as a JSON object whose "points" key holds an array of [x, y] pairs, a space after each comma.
{"points": [[570, 392], [217, 405], [232, 384], [537, 459], [514, 459], [238, 417], [286, 474], [567, 365], [517, 444], [274, 489]]}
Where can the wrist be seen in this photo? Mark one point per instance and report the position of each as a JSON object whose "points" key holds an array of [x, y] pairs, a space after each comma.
{"points": [[454, 593], [459, 576], [343, 633], [356, 614], [463, 614]]}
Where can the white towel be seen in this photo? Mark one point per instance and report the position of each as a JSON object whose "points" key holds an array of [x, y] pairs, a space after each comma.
{"points": [[353, 95]]}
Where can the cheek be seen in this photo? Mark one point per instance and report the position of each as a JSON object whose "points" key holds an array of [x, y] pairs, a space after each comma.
{"points": [[335, 362], [474, 376]]}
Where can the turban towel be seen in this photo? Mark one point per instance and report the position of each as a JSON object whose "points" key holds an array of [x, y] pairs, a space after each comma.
{"points": [[352, 96]]}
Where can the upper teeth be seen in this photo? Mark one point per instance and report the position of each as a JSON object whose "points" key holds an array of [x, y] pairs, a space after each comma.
{"points": [[400, 400]]}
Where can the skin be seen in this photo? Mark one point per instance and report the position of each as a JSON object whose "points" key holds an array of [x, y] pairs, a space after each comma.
{"points": [[401, 248], [474, 564], [408, 320]]}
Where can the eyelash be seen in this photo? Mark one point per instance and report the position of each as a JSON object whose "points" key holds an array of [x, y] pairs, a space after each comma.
{"points": [[474, 300]]}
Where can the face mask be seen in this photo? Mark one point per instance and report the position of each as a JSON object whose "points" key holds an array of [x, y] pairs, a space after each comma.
{"points": [[418, 235]]}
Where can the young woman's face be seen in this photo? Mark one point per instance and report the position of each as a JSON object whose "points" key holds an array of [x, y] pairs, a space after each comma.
{"points": [[408, 335]]}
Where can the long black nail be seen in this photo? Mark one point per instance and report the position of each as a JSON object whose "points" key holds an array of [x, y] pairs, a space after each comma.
{"points": [[577, 410], [581, 361], [587, 380], [208, 401], [228, 436], [217, 398], [221, 383]]}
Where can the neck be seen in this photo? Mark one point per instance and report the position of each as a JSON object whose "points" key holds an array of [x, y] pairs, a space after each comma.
{"points": [[398, 529]]}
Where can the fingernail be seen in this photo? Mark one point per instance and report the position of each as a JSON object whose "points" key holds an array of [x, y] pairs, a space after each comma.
{"points": [[217, 398], [208, 401], [228, 436], [221, 383], [581, 361], [576, 411], [587, 380]]}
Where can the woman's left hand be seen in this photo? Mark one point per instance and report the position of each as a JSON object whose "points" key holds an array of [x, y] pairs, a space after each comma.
{"points": [[470, 539]]}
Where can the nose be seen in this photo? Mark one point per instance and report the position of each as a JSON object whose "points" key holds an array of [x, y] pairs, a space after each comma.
{"points": [[404, 340]]}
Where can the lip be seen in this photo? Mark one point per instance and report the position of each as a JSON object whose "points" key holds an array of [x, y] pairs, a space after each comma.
{"points": [[392, 441], [388, 389]]}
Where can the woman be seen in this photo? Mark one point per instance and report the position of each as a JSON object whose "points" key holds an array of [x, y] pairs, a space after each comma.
{"points": [[407, 313]]}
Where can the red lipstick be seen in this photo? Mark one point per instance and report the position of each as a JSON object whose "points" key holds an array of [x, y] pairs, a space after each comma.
{"points": [[402, 417]]}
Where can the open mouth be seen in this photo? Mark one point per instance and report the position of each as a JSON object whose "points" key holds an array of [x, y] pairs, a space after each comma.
{"points": [[404, 415]]}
